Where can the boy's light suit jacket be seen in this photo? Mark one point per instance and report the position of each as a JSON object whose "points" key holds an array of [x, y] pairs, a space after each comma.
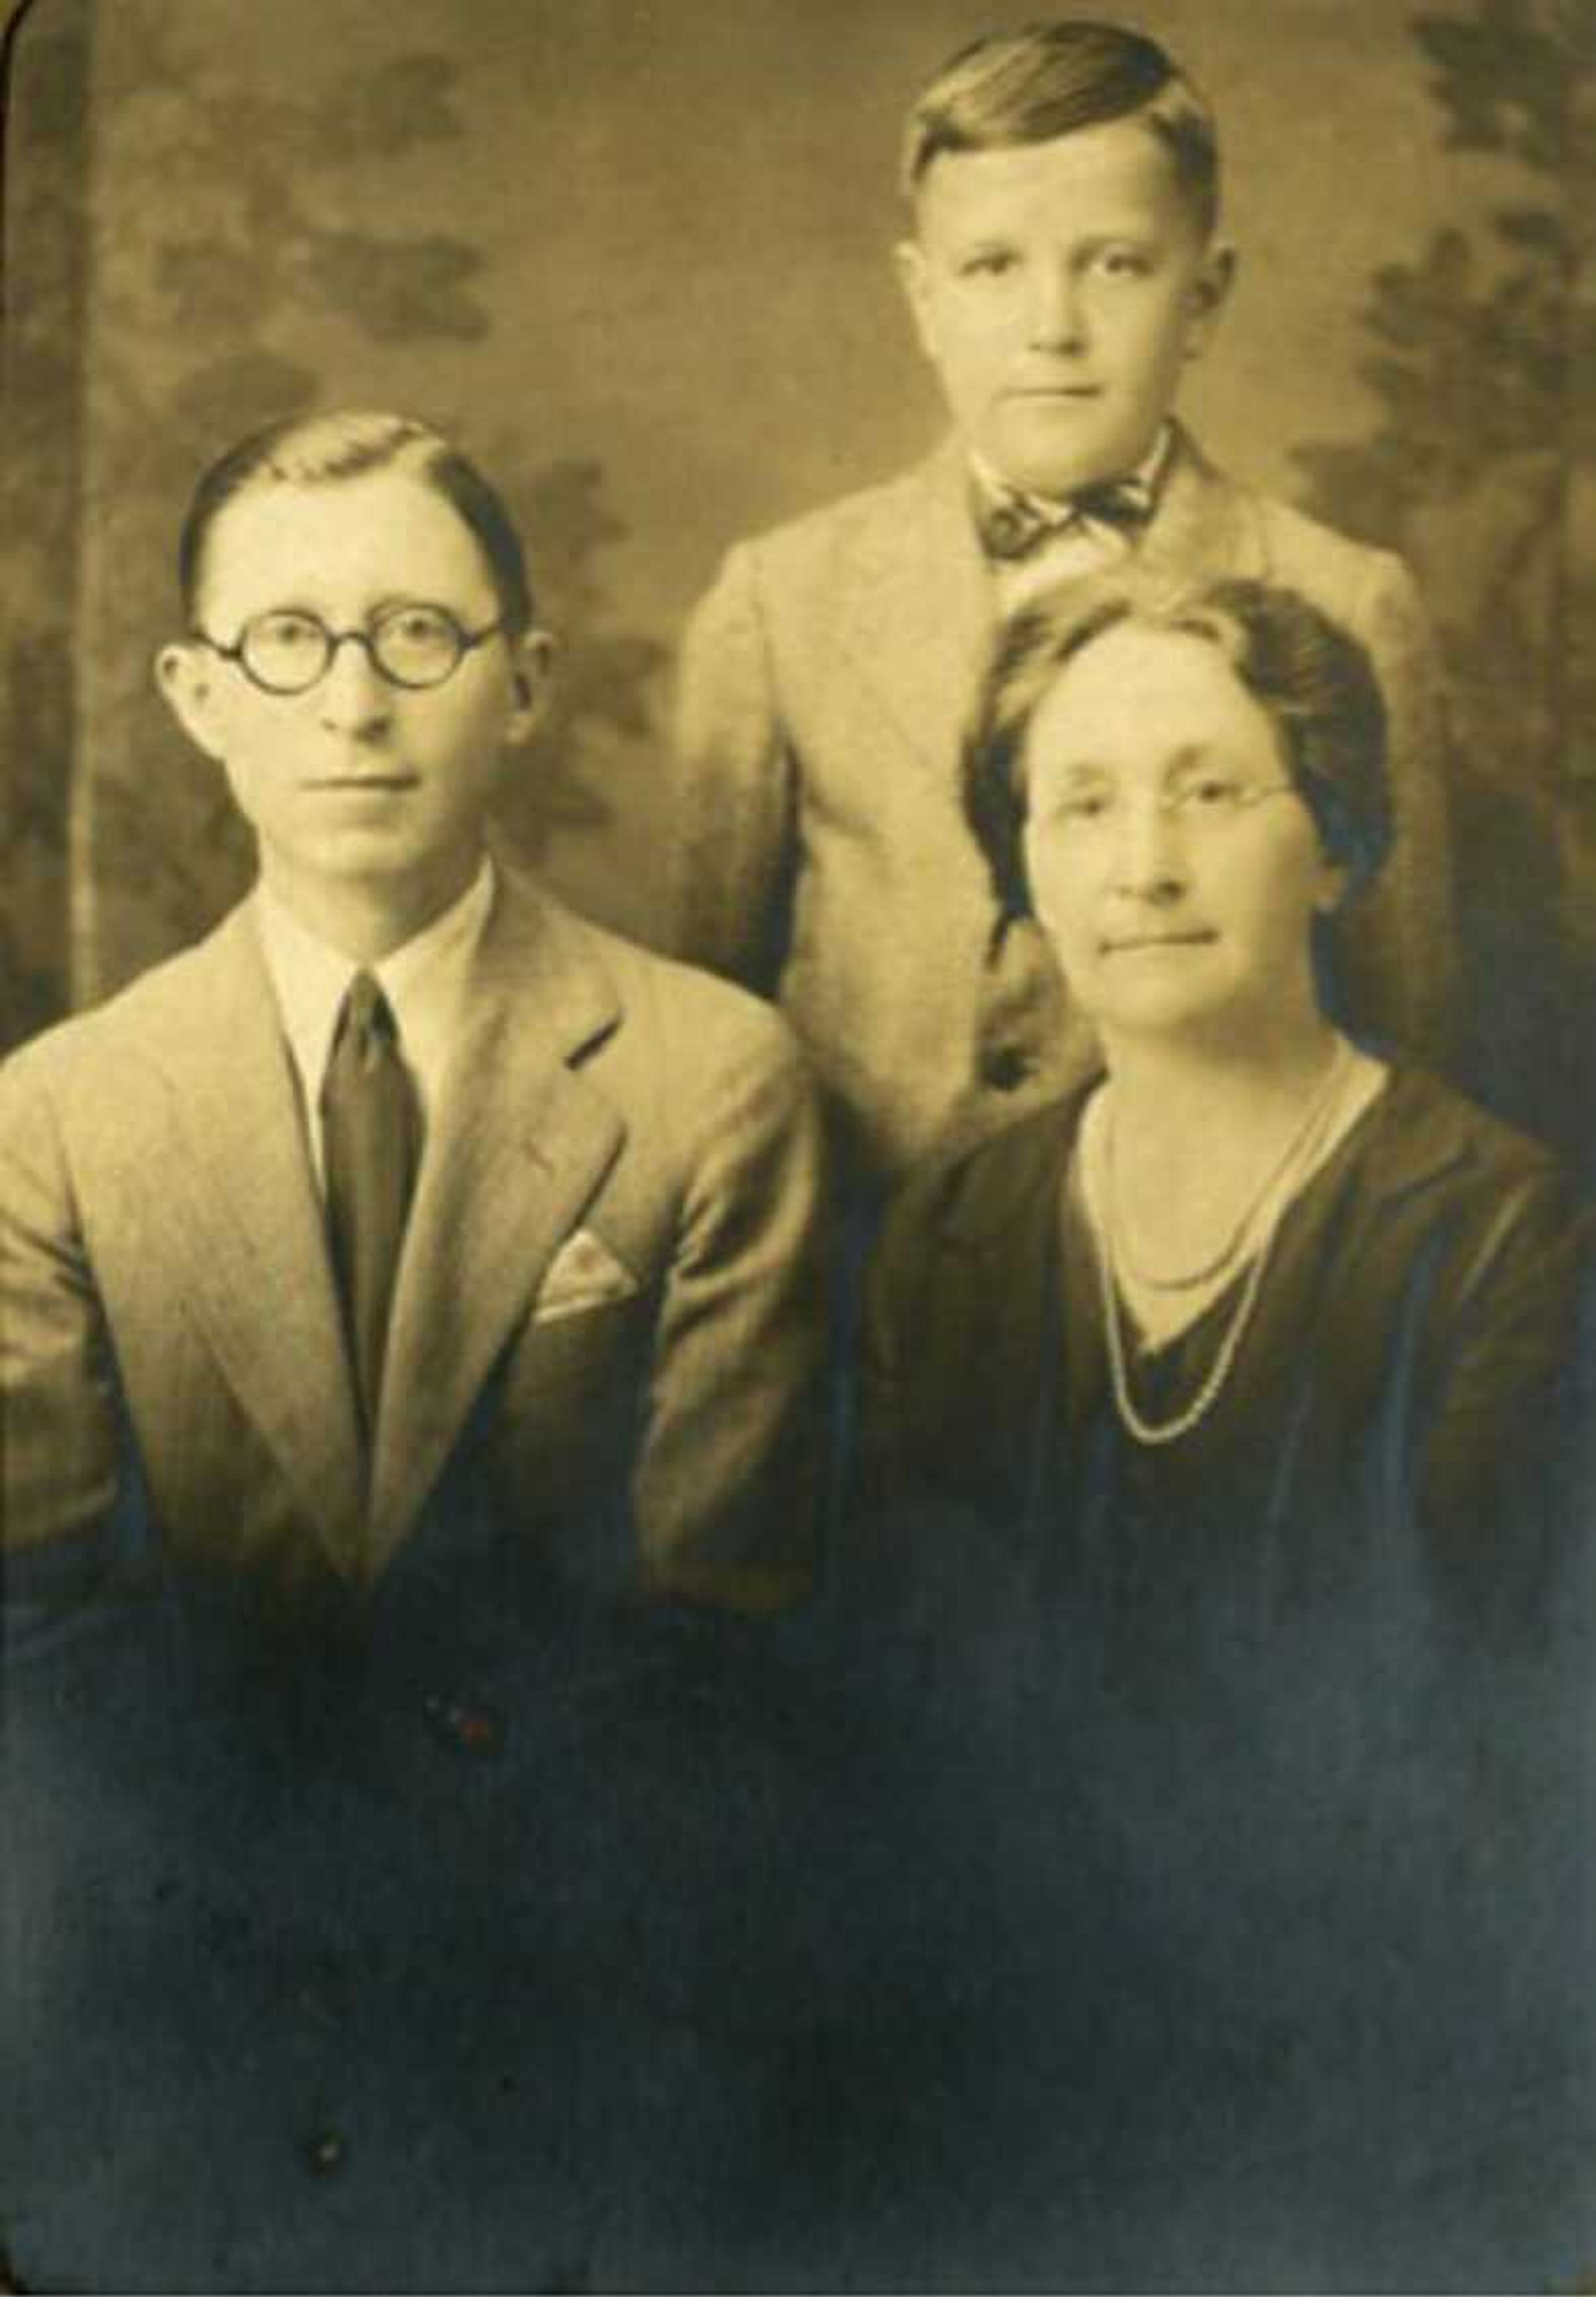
{"points": [[826, 681]]}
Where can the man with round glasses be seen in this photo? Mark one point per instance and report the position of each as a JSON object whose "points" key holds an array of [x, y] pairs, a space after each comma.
{"points": [[409, 1217], [410, 1323]]}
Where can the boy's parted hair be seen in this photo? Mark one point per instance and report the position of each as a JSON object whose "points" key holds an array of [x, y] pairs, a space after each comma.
{"points": [[1314, 681], [1050, 79], [317, 449]]}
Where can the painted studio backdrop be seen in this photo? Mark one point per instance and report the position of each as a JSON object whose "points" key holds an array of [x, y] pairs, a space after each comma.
{"points": [[638, 256]]}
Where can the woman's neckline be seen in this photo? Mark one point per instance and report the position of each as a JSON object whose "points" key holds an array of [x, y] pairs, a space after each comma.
{"points": [[1159, 1316]]}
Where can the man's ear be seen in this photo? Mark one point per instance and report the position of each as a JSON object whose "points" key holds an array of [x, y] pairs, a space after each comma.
{"points": [[1207, 296], [913, 274], [531, 670], [186, 676]]}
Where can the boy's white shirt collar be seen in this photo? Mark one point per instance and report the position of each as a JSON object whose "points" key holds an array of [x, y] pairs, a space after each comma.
{"points": [[424, 981]]}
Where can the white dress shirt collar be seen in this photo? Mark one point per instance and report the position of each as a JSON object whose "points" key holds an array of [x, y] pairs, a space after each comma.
{"points": [[424, 981]]}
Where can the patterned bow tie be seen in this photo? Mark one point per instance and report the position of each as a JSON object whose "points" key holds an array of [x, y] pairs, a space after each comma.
{"points": [[1015, 525]]}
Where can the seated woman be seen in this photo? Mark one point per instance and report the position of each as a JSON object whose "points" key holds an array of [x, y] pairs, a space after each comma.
{"points": [[1256, 1276], [1227, 1412]]}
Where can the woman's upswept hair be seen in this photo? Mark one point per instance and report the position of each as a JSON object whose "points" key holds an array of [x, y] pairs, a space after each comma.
{"points": [[1313, 679]]}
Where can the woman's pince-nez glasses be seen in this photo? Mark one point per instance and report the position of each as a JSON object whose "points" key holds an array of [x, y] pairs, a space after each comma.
{"points": [[1205, 802]]}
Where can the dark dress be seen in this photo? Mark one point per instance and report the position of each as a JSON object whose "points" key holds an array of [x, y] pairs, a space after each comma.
{"points": [[1282, 1766]]}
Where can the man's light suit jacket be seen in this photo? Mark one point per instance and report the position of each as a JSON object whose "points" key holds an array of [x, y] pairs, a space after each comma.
{"points": [[826, 681], [607, 1321]]}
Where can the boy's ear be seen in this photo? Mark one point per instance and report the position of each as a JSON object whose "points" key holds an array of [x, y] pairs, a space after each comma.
{"points": [[532, 674], [1208, 294], [185, 676]]}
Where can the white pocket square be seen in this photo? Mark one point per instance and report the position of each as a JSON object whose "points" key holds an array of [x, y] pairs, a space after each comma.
{"points": [[584, 1273]]}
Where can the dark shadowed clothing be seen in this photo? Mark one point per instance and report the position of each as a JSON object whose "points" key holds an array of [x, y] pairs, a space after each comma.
{"points": [[1397, 1389], [393, 1863], [1275, 1737]]}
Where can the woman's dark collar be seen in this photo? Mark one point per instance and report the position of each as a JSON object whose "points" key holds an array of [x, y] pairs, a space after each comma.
{"points": [[1417, 1131]]}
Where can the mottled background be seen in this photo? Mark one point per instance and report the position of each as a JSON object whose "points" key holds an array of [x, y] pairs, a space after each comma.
{"points": [[638, 256]]}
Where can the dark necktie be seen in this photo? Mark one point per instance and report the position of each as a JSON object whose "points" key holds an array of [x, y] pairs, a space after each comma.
{"points": [[1013, 526], [371, 1140]]}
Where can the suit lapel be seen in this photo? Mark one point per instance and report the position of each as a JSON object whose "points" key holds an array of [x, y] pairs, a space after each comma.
{"points": [[923, 606], [922, 609], [1205, 524], [520, 1145], [244, 1231]]}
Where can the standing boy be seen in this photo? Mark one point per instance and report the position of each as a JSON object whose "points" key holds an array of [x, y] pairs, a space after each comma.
{"points": [[1062, 267]]}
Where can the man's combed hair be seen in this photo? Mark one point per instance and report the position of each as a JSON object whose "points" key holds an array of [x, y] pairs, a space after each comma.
{"points": [[1050, 79], [1312, 679], [323, 449]]}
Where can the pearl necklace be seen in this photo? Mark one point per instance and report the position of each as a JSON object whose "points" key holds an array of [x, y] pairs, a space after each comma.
{"points": [[1230, 1251], [1110, 1261]]}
